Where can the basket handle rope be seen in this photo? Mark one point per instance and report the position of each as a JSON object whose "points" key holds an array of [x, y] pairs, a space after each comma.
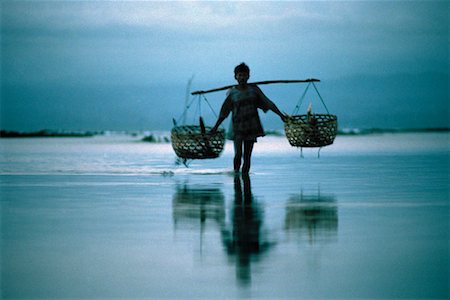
{"points": [[321, 99], [207, 102], [198, 112], [183, 115], [300, 101]]}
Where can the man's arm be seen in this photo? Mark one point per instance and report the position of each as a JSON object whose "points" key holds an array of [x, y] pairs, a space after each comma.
{"points": [[269, 105], [224, 112]]}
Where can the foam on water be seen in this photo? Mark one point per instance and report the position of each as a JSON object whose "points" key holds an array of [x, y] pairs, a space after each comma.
{"points": [[125, 154]]}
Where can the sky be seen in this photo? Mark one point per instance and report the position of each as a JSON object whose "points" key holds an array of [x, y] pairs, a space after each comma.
{"points": [[125, 65]]}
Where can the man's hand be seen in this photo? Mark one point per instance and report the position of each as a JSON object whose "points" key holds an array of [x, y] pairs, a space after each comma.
{"points": [[213, 130]]}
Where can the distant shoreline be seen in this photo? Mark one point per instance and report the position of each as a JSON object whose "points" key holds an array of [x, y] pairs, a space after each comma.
{"points": [[366, 131], [163, 136], [46, 133]]}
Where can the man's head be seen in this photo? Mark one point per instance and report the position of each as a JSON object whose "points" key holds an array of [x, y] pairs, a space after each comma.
{"points": [[242, 68], [242, 73]]}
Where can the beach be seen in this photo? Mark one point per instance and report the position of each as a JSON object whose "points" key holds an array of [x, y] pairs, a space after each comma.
{"points": [[111, 216]]}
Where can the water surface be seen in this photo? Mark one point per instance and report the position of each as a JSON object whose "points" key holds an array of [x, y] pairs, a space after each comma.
{"points": [[111, 216]]}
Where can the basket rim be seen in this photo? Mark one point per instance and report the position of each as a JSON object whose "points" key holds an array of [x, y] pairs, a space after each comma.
{"points": [[194, 126], [195, 130], [297, 119], [300, 115]]}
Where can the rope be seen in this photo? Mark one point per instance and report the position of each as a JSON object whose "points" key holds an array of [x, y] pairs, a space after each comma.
{"points": [[210, 106], [320, 97], [213, 111], [318, 152], [184, 161], [300, 101], [198, 111], [183, 115]]}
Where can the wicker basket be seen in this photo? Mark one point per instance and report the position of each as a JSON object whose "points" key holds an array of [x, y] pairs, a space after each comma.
{"points": [[315, 130], [188, 142]]}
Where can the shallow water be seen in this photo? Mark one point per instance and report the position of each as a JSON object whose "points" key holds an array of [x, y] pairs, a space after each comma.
{"points": [[111, 216]]}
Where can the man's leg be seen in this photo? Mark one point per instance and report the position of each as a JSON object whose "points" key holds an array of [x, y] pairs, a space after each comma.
{"points": [[237, 154], [248, 148]]}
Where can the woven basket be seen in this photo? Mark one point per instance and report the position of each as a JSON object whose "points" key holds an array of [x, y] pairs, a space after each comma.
{"points": [[188, 142], [316, 130]]}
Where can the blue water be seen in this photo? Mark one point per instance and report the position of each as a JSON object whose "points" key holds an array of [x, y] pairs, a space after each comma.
{"points": [[111, 216]]}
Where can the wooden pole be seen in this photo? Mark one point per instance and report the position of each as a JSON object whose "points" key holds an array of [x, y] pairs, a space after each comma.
{"points": [[255, 83]]}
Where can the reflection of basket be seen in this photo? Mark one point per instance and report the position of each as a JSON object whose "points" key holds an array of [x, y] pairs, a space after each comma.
{"points": [[317, 216], [189, 143], [315, 130]]}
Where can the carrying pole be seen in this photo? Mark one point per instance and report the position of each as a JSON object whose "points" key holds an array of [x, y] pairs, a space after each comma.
{"points": [[256, 83]]}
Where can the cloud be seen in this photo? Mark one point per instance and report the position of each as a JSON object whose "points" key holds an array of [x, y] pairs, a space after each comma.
{"points": [[192, 16], [117, 48], [230, 16], [121, 41]]}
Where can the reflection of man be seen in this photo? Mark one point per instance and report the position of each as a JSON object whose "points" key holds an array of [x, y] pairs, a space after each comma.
{"points": [[245, 241]]}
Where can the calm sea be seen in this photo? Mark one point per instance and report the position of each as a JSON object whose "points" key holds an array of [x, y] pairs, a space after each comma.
{"points": [[112, 216]]}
